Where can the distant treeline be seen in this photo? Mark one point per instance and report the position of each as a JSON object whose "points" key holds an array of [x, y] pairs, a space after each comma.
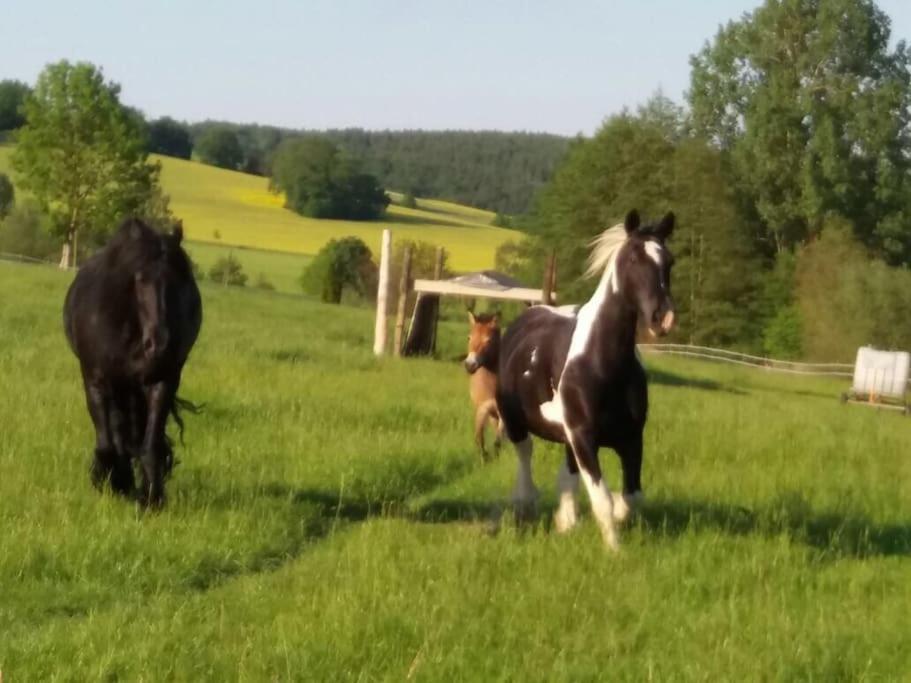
{"points": [[491, 170]]}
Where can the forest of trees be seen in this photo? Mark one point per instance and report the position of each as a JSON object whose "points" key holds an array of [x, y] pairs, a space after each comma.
{"points": [[487, 169], [790, 173]]}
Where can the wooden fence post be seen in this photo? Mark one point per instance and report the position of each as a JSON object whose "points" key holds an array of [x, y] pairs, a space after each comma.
{"points": [[550, 280], [437, 275], [404, 288], [382, 294]]}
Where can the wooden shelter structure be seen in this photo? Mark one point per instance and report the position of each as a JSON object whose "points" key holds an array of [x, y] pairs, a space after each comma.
{"points": [[421, 337]]}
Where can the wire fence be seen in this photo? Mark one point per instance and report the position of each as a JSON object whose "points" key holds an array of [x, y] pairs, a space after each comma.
{"points": [[737, 358]]}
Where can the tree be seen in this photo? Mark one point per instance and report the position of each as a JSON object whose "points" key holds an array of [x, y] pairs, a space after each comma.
{"points": [[169, 137], [82, 155], [227, 270], [25, 232], [12, 97], [319, 182], [7, 195], [340, 263], [814, 110], [641, 162], [220, 147]]}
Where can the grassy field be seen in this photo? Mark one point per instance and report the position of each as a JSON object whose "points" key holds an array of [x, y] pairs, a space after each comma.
{"points": [[281, 269], [330, 520], [236, 209]]}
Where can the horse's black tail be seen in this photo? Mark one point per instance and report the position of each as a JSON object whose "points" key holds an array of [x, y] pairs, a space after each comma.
{"points": [[181, 404], [177, 406]]}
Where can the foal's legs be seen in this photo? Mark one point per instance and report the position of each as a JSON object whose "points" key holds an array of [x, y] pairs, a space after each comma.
{"points": [[567, 488], [159, 397], [630, 452]]}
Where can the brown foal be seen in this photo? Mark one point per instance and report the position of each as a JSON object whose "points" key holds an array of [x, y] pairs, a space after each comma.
{"points": [[481, 364]]}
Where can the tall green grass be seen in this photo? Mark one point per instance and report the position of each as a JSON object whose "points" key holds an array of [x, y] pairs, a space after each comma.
{"points": [[330, 520]]}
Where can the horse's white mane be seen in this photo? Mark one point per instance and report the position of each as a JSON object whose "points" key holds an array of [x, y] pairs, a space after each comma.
{"points": [[604, 249]]}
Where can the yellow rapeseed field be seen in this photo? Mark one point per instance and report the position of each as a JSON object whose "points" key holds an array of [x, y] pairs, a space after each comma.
{"points": [[228, 208]]}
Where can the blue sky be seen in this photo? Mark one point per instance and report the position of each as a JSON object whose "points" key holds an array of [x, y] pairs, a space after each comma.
{"points": [[545, 66]]}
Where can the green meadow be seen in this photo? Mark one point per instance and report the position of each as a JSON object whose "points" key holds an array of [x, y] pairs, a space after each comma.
{"points": [[330, 520]]}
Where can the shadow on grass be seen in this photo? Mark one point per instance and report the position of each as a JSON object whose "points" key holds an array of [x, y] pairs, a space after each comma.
{"points": [[834, 534], [670, 379]]}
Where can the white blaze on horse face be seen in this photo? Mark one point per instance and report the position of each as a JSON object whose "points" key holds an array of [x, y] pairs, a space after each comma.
{"points": [[655, 252], [534, 356]]}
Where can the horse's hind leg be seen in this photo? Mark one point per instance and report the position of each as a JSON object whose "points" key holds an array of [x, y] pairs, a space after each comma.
{"points": [[525, 495], [567, 488]]}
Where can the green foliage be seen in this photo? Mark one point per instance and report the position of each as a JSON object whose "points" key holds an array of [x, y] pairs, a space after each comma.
{"points": [[502, 220], [7, 195], [320, 183], [641, 162], [492, 170], [82, 155], [220, 147], [26, 232], [341, 263], [12, 99], [170, 137], [847, 300], [263, 282], [228, 271], [814, 109], [783, 334]]}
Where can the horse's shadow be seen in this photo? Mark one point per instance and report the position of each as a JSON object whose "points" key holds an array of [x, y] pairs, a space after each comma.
{"points": [[834, 534], [670, 379]]}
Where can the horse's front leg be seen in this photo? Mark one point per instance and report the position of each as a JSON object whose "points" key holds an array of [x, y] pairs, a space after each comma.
{"points": [[630, 452], [105, 456], [154, 448], [585, 448]]}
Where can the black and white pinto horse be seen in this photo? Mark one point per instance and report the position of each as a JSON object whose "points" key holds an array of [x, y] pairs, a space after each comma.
{"points": [[131, 317], [575, 378]]}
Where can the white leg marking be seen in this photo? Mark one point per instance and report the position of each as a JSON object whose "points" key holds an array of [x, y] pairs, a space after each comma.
{"points": [[627, 504], [602, 508], [525, 494], [567, 486]]}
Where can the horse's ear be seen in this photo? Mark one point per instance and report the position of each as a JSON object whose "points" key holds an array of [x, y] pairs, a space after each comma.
{"points": [[631, 222], [178, 232], [471, 318], [666, 226]]}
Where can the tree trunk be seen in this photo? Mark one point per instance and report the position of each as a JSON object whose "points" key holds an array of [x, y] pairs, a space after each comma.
{"points": [[65, 254]]}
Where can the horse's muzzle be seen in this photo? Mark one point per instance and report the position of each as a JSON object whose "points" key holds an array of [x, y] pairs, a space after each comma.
{"points": [[471, 364], [662, 323], [154, 344]]}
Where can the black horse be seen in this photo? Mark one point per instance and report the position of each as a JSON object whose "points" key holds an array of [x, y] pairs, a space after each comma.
{"points": [[131, 317], [575, 378]]}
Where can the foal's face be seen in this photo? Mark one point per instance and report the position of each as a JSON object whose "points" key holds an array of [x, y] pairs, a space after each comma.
{"points": [[152, 304], [483, 341], [645, 275]]}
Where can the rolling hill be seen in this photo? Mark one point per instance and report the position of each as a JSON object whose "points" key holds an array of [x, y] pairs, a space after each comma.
{"points": [[227, 209]]}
